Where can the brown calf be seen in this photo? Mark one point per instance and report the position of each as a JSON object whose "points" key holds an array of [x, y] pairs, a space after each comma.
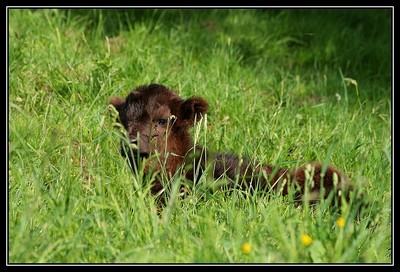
{"points": [[157, 120]]}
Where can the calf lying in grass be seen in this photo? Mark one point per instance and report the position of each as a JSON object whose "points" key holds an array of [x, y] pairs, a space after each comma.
{"points": [[157, 120]]}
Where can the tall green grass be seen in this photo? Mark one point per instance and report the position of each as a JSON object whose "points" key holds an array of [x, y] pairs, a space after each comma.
{"points": [[284, 86]]}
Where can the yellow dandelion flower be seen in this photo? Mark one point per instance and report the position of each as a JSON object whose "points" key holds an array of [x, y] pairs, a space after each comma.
{"points": [[340, 222], [246, 248], [306, 239]]}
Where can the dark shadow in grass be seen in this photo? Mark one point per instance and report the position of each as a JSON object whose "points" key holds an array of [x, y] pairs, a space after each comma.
{"points": [[356, 41], [113, 21]]}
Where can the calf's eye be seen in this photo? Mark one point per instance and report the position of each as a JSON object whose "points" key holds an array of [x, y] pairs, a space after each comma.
{"points": [[162, 122]]}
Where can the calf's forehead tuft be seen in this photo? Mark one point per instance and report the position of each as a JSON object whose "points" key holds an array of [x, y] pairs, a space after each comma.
{"points": [[150, 99], [151, 96]]}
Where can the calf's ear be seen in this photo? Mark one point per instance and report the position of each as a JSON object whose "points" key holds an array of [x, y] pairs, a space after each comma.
{"points": [[193, 109], [116, 102]]}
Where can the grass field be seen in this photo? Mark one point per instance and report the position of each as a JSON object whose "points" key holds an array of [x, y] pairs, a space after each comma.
{"points": [[284, 86]]}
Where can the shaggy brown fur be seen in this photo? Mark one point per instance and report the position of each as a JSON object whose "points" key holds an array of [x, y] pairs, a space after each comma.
{"points": [[156, 119]]}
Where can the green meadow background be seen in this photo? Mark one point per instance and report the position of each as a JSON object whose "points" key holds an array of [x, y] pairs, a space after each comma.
{"points": [[285, 86]]}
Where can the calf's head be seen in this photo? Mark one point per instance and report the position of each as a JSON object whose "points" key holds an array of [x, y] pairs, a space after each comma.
{"points": [[157, 120]]}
